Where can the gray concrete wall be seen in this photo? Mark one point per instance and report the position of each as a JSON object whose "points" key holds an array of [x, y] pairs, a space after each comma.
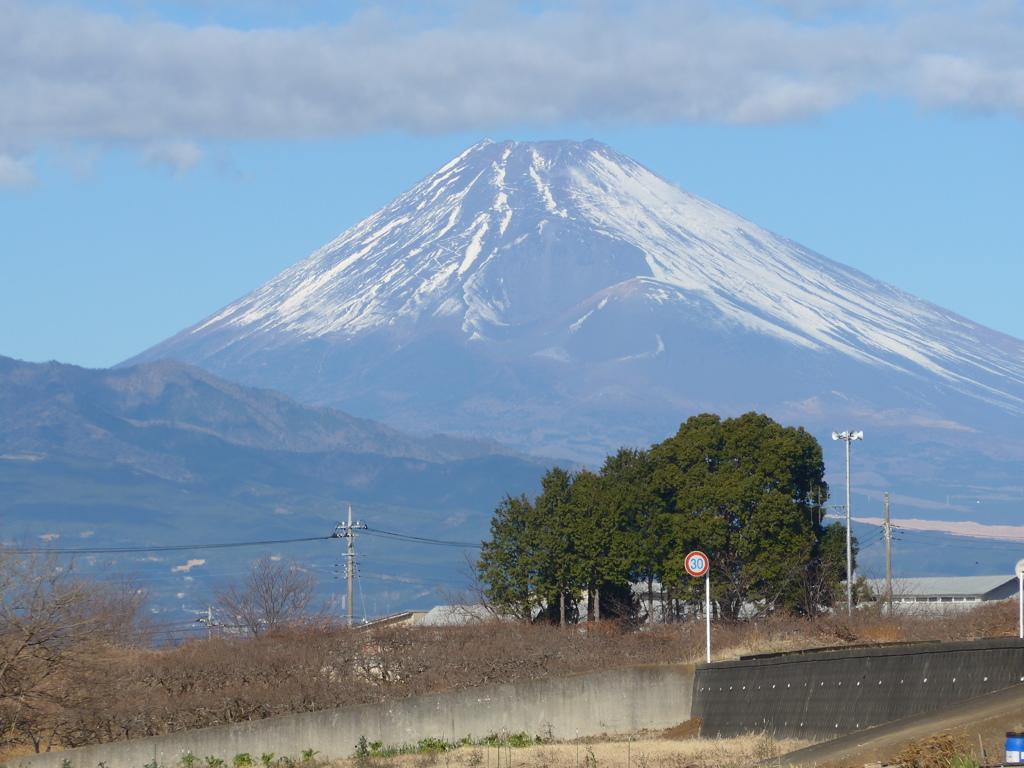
{"points": [[812, 695], [830, 693], [622, 700]]}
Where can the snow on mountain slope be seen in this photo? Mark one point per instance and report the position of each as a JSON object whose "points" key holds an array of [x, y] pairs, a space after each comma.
{"points": [[509, 234], [563, 299]]}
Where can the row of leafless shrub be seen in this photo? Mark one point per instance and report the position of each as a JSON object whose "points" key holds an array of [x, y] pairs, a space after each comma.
{"points": [[74, 669]]}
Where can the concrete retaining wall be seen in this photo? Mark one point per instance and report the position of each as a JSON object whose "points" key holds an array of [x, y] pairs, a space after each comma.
{"points": [[614, 701], [826, 694], [812, 695]]}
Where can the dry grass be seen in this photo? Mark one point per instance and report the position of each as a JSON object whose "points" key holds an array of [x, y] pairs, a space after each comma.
{"points": [[781, 633], [114, 693], [645, 750], [943, 750]]}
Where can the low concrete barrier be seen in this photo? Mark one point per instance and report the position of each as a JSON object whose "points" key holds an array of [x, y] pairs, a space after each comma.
{"points": [[821, 695], [623, 700]]}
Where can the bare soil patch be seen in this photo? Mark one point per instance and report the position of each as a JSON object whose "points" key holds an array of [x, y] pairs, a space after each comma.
{"points": [[688, 730], [649, 749]]}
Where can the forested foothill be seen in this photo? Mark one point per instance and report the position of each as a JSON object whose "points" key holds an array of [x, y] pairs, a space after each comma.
{"points": [[747, 492]]}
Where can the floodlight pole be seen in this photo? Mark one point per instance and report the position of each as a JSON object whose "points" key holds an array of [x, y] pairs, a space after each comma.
{"points": [[849, 537], [1019, 570], [848, 437]]}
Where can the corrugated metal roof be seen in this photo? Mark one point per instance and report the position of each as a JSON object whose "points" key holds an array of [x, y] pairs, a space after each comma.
{"points": [[455, 615], [942, 586]]}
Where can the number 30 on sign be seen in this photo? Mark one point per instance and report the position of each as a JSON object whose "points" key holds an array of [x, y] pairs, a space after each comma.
{"points": [[697, 564]]}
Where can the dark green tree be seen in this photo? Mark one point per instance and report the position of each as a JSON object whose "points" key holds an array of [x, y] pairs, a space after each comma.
{"points": [[748, 492], [641, 523], [555, 555], [601, 543], [542, 556], [506, 565], [531, 566]]}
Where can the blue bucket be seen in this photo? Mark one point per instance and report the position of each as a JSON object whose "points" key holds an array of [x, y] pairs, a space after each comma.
{"points": [[1014, 748]]}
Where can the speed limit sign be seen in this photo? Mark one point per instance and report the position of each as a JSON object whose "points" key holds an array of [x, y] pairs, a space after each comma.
{"points": [[697, 564]]}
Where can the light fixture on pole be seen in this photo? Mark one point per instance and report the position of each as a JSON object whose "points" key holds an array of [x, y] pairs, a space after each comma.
{"points": [[848, 437], [1019, 570]]}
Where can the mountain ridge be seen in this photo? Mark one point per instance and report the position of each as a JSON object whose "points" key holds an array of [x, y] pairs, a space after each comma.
{"points": [[165, 453], [162, 394], [565, 300]]}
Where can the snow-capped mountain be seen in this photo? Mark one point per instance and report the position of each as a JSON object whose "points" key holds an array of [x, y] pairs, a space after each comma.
{"points": [[561, 298]]}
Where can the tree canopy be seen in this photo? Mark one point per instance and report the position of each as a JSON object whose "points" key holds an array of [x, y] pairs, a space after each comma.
{"points": [[747, 491]]}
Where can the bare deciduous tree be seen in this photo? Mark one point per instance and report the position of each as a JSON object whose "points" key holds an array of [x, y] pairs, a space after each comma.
{"points": [[273, 595], [51, 622]]}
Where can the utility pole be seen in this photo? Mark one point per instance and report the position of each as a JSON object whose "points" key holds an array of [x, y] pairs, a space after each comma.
{"points": [[888, 556], [348, 531], [208, 621]]}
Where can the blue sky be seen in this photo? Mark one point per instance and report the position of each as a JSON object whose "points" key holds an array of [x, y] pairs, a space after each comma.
{"points": [[160, 159]]}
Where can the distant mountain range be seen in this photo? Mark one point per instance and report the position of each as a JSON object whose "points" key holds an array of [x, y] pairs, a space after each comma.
{"points": [[167, 454], [562, 299], [127, 414]]}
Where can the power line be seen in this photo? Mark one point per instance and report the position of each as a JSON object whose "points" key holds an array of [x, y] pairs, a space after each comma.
{"points": [[871, 540], [937, 539], [420, 539], [169, 548], [157, 574], [408, 580]]}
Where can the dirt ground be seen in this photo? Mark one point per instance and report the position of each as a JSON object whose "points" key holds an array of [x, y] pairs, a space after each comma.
{"points": [[643, 750]]}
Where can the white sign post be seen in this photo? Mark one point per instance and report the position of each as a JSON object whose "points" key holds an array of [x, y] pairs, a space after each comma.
{"points": [[697, 565], [1019, 570]]}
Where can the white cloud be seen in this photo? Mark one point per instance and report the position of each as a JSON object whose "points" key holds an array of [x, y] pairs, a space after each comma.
{"points": [[179, 156], [70, 74], [14, 173], [187, 566]]}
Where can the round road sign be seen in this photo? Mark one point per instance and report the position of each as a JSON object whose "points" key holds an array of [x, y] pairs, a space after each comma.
{"points": [[697, 564], [1019, 569]]}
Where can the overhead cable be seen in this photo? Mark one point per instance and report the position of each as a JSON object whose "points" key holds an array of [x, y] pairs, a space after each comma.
{"points": [[418, 539], [36, 550]]}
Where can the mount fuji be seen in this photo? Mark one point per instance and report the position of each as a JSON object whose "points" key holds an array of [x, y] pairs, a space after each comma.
{"points": [[564, 300]]}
